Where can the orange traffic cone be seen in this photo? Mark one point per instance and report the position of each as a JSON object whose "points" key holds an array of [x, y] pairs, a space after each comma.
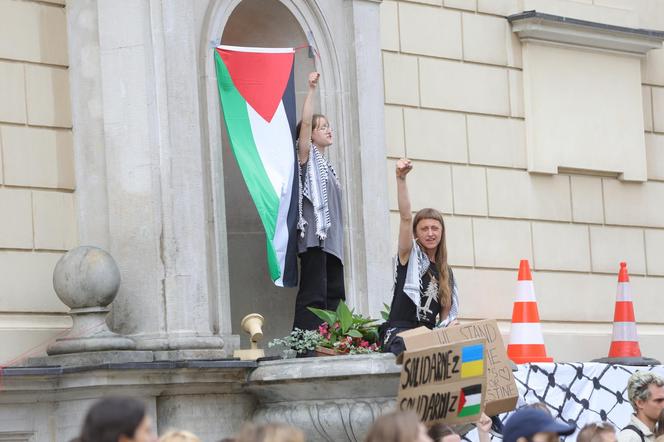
{"points": [[625, 348], [625, 342], [526, 341]]}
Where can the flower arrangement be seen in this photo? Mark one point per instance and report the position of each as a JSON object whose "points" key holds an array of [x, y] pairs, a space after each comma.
{"points": [[302, 341], [346, 332]]}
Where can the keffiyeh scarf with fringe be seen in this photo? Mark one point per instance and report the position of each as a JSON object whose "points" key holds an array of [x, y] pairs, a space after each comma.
{"points": [[313, 186]]}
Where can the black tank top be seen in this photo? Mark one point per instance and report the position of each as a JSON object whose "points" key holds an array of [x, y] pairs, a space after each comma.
{"points": [[403, 311]]}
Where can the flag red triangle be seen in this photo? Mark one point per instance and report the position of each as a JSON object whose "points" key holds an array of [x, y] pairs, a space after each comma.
{"points": [[462, 401], [260, 77]]}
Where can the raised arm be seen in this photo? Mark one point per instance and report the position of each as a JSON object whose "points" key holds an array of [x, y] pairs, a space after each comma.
{"points": [[304, 136], [405, 216]]}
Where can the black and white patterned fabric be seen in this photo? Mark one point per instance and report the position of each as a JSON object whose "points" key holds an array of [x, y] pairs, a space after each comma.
{"points": [[577, 393]]}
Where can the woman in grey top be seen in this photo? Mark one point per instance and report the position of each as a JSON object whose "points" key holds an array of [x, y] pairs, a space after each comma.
{"points": [[320, 224]]}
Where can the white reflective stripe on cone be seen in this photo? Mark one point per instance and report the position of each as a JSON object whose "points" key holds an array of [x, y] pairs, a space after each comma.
{"points": [[525, 291], [526, 333], [624, 331], [624, 292]]}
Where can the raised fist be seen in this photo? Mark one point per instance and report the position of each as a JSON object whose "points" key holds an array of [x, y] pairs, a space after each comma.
{"points": [[404, 166], [313, 79]]}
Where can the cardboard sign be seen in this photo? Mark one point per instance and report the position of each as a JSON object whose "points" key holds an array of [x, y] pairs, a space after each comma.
{"points": [[501, 392], [445, 383]]}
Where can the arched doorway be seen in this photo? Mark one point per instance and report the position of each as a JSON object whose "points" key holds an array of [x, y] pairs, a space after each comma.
{"points": [[257, 23]]}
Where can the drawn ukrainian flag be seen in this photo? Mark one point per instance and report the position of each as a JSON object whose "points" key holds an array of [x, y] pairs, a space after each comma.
{"points": [[472, 361]]}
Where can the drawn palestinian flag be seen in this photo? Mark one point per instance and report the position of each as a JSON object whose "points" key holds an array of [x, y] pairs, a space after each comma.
{"points": [[472, 360], [258, 100], [470, 400]]}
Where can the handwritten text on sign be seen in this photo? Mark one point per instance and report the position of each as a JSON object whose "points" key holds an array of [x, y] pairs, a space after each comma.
{"points": [[501, 392], [444, 383]]}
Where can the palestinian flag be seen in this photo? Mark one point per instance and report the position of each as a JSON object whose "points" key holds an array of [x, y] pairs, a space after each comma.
{"points": [[258, 100], [470, 400]]}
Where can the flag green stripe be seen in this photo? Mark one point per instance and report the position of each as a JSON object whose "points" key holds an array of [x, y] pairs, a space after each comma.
{"points": [[248, 159], [469, 410]]}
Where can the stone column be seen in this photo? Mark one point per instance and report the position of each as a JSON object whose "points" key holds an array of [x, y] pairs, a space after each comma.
{"points": [[85, 78], [140, 93], [370, 203]]}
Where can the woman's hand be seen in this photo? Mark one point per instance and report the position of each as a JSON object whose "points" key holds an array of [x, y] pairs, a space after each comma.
{"points": [[484, 424], [483, 427], [313, 80], [404, 166]]}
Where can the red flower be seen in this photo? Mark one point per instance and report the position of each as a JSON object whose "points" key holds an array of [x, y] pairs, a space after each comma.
{"points": [[364, 344], [336, 325]]}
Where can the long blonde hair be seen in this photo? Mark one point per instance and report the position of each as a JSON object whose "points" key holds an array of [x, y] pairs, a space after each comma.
{"points": [[444, 292]]}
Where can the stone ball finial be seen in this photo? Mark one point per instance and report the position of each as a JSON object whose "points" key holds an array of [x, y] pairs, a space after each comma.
{"points": [[86, 277]]}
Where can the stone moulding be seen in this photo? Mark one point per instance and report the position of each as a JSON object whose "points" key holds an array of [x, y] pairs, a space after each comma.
{"points": [[329, 398], [554, 29]]}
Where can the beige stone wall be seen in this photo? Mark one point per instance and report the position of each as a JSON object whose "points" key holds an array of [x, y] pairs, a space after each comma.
{"points": [[36, 174], [454, 103]]}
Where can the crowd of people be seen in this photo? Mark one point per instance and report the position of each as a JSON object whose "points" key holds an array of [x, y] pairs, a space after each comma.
{"points": [[124, 419]]}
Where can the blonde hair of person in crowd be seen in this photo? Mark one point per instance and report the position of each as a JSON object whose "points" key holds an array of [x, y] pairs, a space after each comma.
{"points": [[270, 433], [398, 426], [597, 432], [179, 436]]}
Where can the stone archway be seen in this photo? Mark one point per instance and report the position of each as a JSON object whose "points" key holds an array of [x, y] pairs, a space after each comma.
{"points": [[257, 23], [347, 37]]}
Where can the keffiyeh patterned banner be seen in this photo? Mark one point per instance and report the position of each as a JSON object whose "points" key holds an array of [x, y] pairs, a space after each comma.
{"points": [[577, 393]]}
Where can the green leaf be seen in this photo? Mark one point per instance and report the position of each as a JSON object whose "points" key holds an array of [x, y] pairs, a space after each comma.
{"points": [[345, 316], [371, 335], [355, 334], [326, 315]]}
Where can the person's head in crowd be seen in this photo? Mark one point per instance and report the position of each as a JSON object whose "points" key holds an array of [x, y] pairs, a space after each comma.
{"points": [[645, 391], [179, 436], [117, 419], [529, 424], [443, 433], [659, 428], [270, 433], [597, 432], [540, 406], [398, 426]]}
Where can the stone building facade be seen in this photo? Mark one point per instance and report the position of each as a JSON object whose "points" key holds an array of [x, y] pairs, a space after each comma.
{"points": [[540, 146], [537, 138]]}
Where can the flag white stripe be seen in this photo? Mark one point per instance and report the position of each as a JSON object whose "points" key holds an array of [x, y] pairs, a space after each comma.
{"points": [[473, 399], [274, 144]]}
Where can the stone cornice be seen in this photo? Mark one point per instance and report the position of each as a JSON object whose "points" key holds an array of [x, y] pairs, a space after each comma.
{"points": [[555, 29]]}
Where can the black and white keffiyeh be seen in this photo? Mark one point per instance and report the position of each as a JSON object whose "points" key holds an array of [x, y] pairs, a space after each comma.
{"points": [[313, 186], [412, 285]]}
